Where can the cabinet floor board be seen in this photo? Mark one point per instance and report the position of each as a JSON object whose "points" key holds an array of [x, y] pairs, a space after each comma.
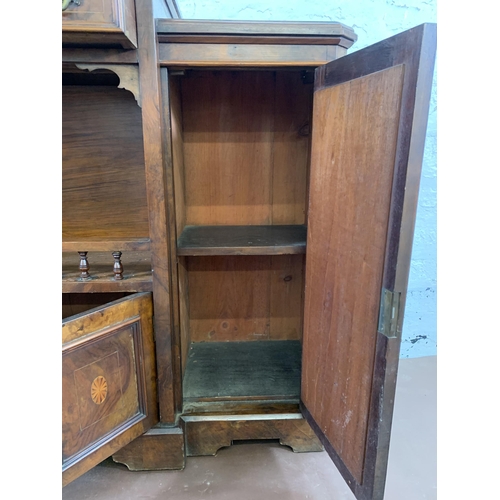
{"points": [[227, 370]]}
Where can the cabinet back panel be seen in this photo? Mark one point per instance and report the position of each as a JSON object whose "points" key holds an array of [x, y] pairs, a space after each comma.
{"points": [[103, 178], [246, 143], [245, 297]]}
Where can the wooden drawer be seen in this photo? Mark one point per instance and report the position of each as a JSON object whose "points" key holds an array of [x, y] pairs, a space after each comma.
{"points": [[108, 376], [100, 22]]}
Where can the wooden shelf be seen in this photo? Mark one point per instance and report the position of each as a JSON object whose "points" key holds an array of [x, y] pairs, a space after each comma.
{"points": [[242, 240], [136, 275], [106, 245], [261, 370]]}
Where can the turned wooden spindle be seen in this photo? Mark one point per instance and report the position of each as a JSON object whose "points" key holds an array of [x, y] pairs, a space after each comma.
{"points": [[118, 267], [84, 266]]}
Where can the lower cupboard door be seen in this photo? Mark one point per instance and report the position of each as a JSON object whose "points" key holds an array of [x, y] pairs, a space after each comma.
{"points": [[109, 381]]}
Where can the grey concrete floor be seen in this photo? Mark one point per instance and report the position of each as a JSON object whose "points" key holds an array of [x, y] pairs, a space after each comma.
{"points": [[268, 471]]}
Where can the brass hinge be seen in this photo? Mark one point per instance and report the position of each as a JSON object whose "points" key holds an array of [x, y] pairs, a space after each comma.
{"points": [[389, 313]]}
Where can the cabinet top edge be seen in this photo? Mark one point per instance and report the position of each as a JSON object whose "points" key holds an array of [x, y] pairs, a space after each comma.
{"points": [[258, 28]]}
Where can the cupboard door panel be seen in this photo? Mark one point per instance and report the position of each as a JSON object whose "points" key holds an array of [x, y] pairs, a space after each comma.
{"points": [[369, 119], [109, 381]]}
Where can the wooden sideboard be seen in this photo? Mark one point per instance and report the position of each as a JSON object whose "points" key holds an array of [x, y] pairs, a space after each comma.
{"points": [[238, 210]]}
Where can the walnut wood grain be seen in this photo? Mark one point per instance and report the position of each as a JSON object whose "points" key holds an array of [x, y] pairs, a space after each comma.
{"points": [[173, 160], [157, 207], [99, 56], [282, 32], [244, 171], [160, 448], [205, 435], [109, 382], [369, 122], [103, 164], [136, 276], [242, 240], [240, 55], [233, 297], [108, 244], [100, 22], [355, 124], [127, 73], [247, 407]]}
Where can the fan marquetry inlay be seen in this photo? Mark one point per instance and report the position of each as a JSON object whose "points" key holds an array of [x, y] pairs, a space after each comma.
{"points": [[99, 390]]}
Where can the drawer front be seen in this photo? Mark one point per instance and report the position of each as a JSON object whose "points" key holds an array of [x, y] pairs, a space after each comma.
{"points": [[108, 377], [101, 22]]}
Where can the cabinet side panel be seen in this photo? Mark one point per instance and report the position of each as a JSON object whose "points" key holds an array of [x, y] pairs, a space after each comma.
{"points": [[177, 153], [184, 311], [103, 181]]}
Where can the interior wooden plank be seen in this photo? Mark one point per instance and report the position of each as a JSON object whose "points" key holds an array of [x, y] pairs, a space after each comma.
{"points": [[228, 370], [353, 151], [243, 298], [228, 131], [291, 141], [229, 298], [136, 273], [103, 164], [286, 311], [242, 240]]}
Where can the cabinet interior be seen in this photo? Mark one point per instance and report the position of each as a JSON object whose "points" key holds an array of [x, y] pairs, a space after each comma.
{"points": [[240, 156], [76, 303]]}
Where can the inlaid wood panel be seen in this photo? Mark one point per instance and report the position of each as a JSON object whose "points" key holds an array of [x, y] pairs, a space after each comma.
{"points": [[354, 145], [245, 297], [108, 379], [103, 177], [245, 147], [90, 411]]}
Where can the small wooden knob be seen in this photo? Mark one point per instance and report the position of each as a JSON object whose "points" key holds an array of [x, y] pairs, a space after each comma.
{"points": [[118, 267], [84, 266]]}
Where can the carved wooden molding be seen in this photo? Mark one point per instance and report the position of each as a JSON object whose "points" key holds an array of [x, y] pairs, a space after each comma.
{"points": [[128, 75]]}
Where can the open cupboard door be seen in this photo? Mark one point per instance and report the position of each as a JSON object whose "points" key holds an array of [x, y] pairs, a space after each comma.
{"points": [[369, 121], [109, 381]]}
